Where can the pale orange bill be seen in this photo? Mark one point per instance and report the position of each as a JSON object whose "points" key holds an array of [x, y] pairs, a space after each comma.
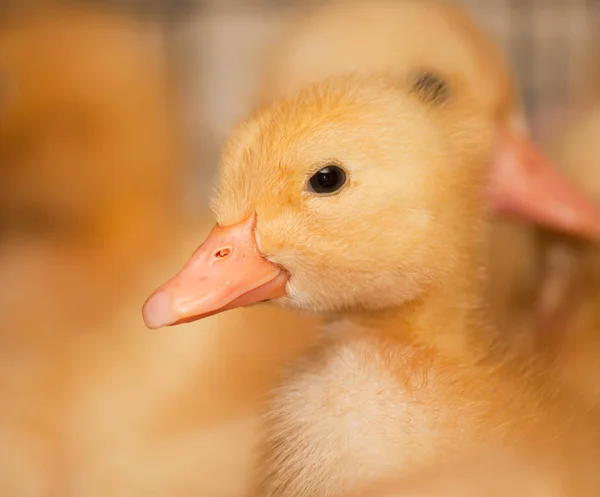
{"points": [[525, 184], [225, 272]]}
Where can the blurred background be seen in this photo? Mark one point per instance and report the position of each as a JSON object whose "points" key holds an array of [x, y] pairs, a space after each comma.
{"points": [[112, 115]]}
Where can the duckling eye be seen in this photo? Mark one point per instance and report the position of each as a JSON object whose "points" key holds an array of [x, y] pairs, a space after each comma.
{"points": [[327, 180]]}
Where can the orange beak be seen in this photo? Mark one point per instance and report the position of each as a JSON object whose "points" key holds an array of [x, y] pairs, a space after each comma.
{"points": [[225, 272], [525, 184]]}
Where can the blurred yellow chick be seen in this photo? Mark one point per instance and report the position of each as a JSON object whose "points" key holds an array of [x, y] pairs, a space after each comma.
{"points": [[567, 311], [91, 155]]}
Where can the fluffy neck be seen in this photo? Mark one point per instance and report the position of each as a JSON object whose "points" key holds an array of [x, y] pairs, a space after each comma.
{"points": [[451, 315]]}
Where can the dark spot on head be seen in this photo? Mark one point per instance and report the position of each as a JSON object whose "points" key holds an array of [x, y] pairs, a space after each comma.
{"points": [[430, 87]]}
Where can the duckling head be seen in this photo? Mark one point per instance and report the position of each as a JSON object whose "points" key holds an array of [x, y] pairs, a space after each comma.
{"points": [[356, 194]]}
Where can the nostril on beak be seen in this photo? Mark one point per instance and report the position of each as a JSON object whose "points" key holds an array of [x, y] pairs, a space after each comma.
{"points": [[223, 253]]}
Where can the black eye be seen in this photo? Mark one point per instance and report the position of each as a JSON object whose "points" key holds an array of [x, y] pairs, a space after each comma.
{"points": [[327, 180]]}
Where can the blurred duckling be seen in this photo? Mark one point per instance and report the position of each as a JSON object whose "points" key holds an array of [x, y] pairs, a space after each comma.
{"points": [[90, 161], [566, 311], [91, 171]]}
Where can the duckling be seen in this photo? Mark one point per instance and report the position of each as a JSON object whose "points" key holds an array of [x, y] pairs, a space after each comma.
{"points": [[564, 317], [79, 174], [337, 37], [359, 199], [91, 173], [567, 316]]}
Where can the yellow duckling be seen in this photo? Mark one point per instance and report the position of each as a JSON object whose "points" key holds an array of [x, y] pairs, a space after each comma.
{"points": [[362, 36], [359, 199]]}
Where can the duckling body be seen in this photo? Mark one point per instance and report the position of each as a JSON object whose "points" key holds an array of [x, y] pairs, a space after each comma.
{"points": [[367, 406]]}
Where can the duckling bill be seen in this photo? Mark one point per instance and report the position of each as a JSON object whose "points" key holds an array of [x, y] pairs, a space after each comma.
{"points": [[225, 272]]}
